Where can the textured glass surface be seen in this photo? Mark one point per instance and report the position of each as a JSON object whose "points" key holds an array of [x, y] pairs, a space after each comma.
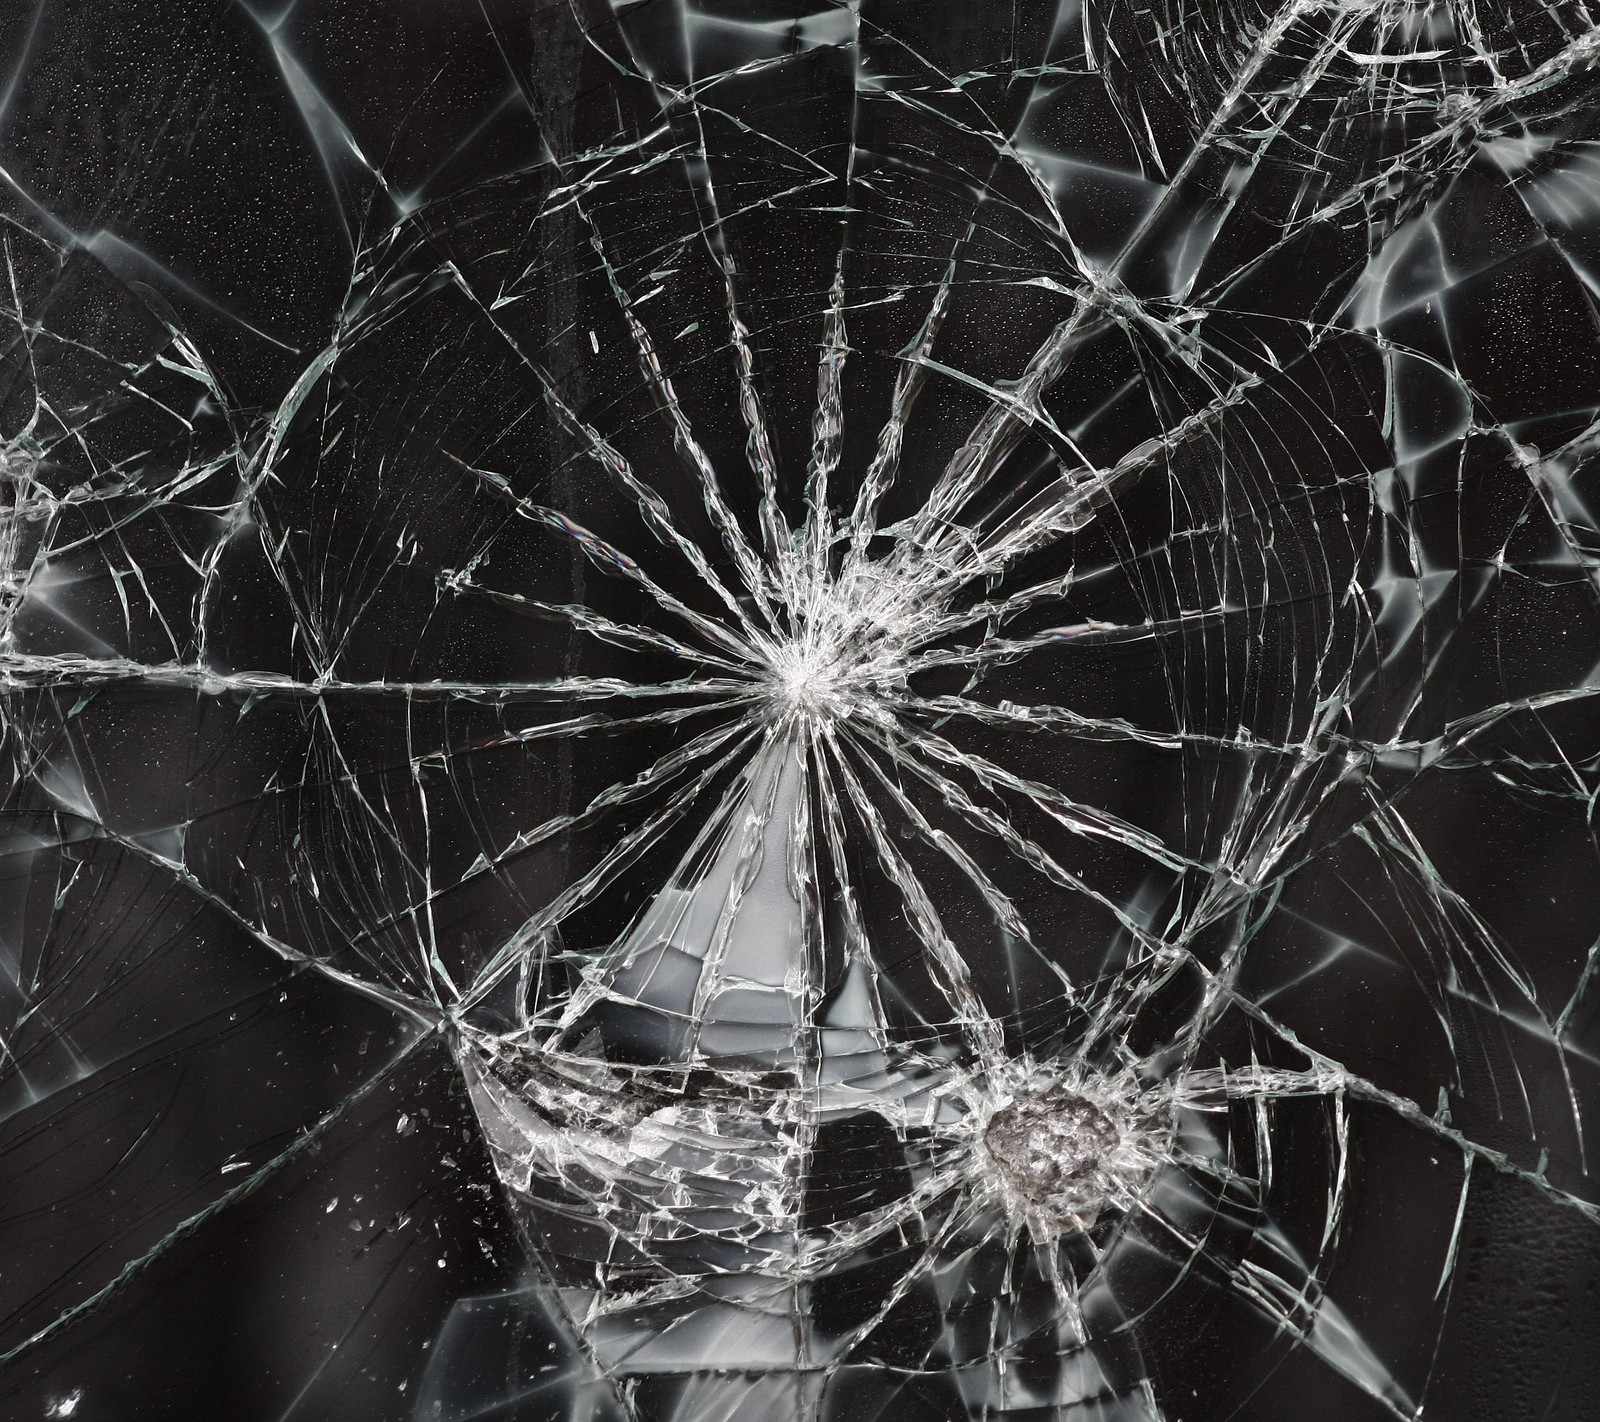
{"points": [[725, 711]]}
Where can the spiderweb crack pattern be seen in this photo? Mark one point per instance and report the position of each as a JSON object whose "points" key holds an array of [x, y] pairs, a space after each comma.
{"points": [[885, 713]]}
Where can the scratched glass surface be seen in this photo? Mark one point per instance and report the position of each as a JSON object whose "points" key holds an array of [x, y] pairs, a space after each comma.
{"points": [[726, 710]]}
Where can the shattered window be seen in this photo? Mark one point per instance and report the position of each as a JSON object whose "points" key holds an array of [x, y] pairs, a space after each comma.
{"points": [[726, 710]]}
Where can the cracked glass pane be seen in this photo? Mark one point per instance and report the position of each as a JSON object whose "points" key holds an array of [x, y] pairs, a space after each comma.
{"points": [[741, 711]]}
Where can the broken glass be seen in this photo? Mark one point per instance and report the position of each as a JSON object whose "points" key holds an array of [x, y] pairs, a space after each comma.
{"points": [[743, 710]]}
